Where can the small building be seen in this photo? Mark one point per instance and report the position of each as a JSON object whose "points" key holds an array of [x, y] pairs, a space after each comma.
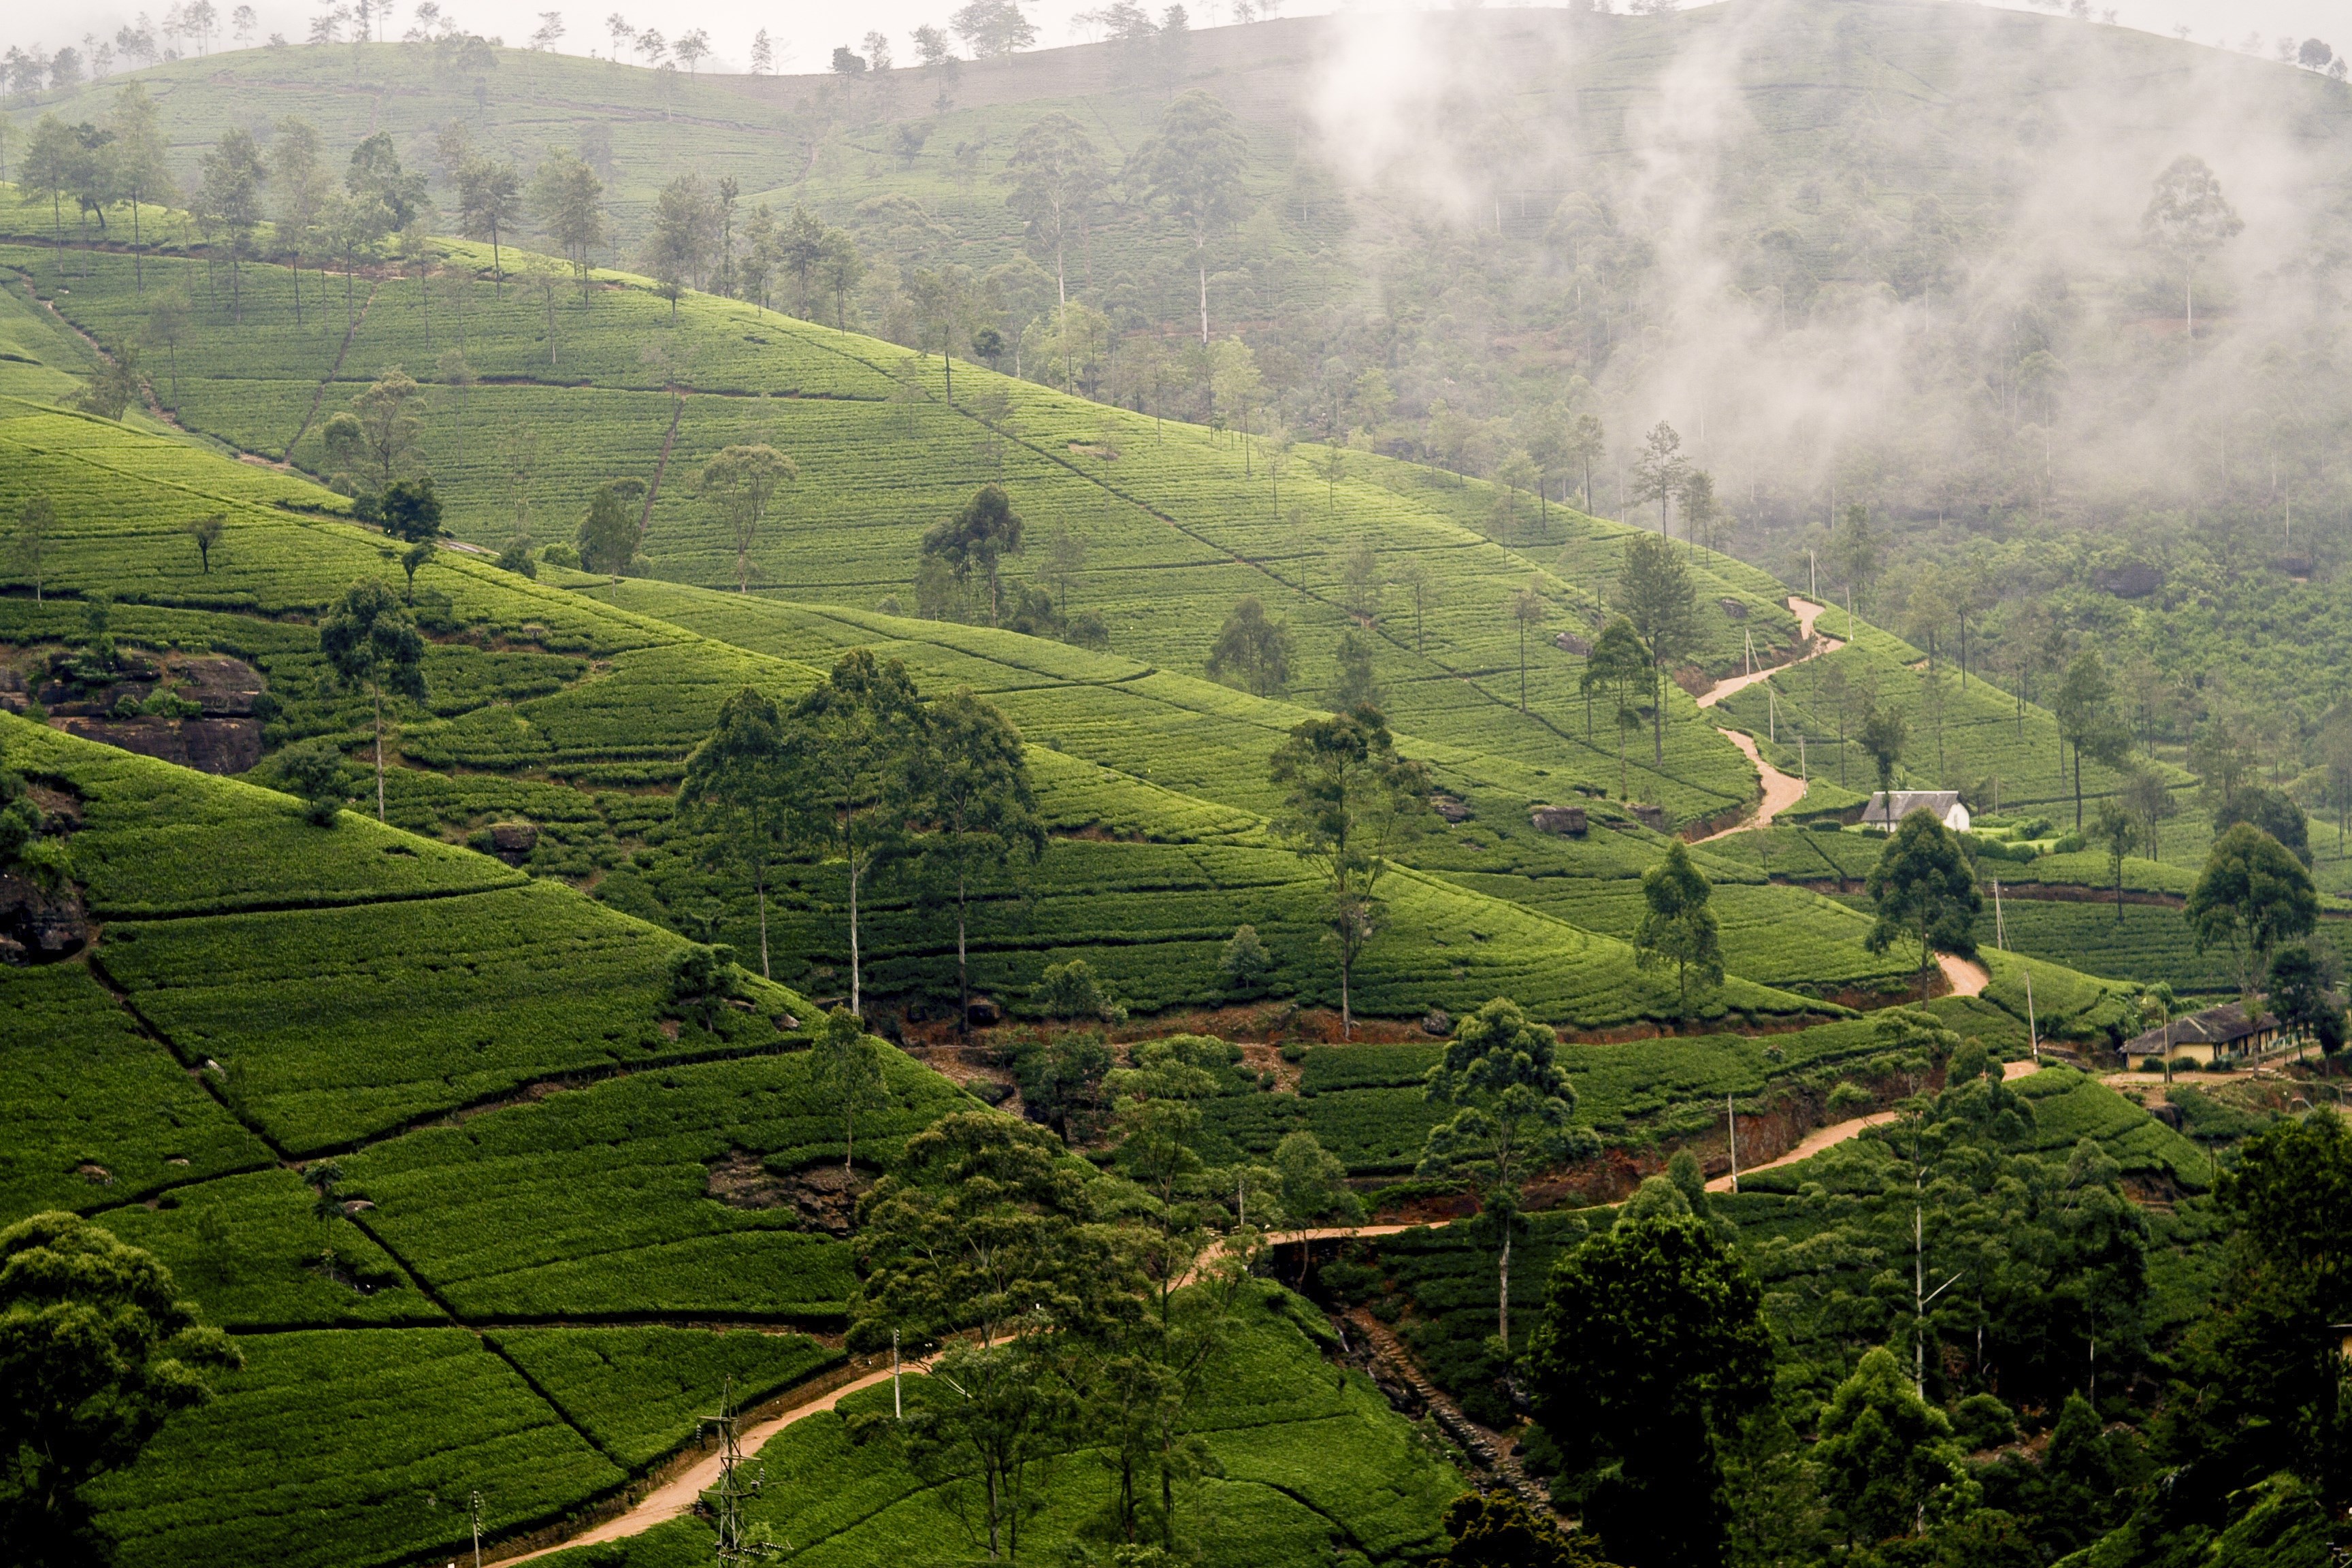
{"points": [[1943, 804], [2221, 1034]]}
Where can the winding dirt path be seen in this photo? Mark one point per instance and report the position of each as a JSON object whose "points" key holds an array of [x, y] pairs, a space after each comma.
{"points": [[677, 1497], [1780, 790], [1969, 979], [1807, 613], [1837, 1132]]}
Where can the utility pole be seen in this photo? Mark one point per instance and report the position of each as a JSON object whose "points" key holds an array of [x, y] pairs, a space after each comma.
{"points": [[897, 1410], [728, 1498], [474, 1507], [1999, 934], [1812, 578], [1731, 1124], [2032, 1034]]}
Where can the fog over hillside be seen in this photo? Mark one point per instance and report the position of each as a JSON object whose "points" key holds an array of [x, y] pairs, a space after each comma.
{"points": [[1931, 284]]}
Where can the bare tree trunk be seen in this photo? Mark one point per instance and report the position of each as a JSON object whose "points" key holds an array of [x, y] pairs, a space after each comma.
{"points": [[855, 992], [762, 883], [1503, 1299], [379, 751], [964, 973]]}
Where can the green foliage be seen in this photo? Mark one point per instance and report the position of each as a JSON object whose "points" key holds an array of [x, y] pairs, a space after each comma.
{"points": [[441, 1412], [1678, 928], [2251, 896], [1926, 890], [83, 1085], [1072, 990], [97, 1352], [1652, 1340], [639, 1392], [1887, 1456]]}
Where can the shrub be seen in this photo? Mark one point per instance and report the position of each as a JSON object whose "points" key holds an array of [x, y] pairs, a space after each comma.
{"points": [[313, 772], [1849, 1097], [561, 554], [1071, 991], [1246, 961], [702, 980]]}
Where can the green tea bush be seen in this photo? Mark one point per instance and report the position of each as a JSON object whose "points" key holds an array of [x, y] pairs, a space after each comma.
{"points": [[393, 1429]]}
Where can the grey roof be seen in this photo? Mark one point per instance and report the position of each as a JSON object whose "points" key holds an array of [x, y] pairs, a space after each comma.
{"points": [[1938, 802], [2222, 1025]]}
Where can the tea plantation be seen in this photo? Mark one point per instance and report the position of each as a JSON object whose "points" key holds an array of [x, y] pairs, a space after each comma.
{"points": [[413, 1108]]}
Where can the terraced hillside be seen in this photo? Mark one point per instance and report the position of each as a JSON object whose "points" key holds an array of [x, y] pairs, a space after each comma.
{"points": [[532, 727]]}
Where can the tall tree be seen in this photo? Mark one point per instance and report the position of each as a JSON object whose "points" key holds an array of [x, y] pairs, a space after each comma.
{"points": [[2148, 798], [30, 539], [369, 641], [231, 196], [684, 233], [608, 533], [1888, 1455], [1677, 927], [143, 170], [1192, 171], [846, 1072], [741, 481], [1527, 610], [1349, 803], [167, 324], [388, 427], [1652, 1349], [848, 743], [1925, 891], [974, 807], [47, 169], [2117, 829], [1416, 579], [1659, 470], [1057, 174], [977, 537], [1883, 736], [1253, 647], [305, 196], [1513, 1110], [489, 206], [2187, 220], [2251, 896], [1655, 594], [381, 199], [1854, 551], [97, 1350], [2085, 708], [568, 201], [735, 794], [1619, 668]]}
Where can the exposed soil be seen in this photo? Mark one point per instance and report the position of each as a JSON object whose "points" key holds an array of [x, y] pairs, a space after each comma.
{"points": [[824, 1196]]}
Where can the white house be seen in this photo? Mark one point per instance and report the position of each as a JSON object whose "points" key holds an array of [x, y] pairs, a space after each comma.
{"points": [[1943, 804]]}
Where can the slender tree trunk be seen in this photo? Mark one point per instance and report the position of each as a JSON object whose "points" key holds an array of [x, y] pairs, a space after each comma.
{"points": [[761, 880], [855, 993], [379, 751], [1204, 266], [1658, 714], [138, 259], [1503, 1298], [963, 972], [1346, 1019]]}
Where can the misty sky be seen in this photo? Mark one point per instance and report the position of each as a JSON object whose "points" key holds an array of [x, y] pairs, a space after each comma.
{"points": [[809, 29]]}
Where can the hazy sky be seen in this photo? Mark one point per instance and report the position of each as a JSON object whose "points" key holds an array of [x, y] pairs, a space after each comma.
{"points": [[809, 29]]}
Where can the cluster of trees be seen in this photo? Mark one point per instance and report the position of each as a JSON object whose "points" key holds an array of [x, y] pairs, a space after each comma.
{"points": [[864, 772], [961, 574]]}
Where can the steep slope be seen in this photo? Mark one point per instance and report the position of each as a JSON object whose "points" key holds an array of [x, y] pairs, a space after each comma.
{"points": [[596, 722]]}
